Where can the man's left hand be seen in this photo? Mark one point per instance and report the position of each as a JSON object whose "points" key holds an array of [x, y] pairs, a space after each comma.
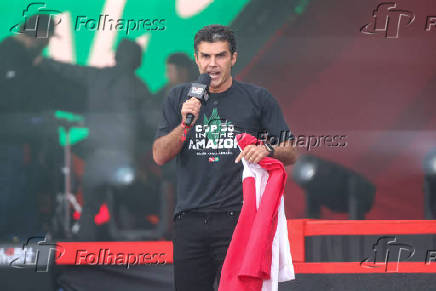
{"points": [[253, 154]]}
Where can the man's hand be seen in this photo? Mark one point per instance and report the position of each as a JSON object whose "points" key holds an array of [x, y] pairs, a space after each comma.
{"points": [[168, 146], [191, 106], [253, 153]]}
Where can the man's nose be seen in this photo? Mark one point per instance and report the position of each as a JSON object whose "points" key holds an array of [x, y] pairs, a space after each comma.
{"points": [[212, 62]]}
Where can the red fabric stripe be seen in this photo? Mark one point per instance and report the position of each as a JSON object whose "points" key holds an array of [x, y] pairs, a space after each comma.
{"points": [[355, 267], [368, 227]]}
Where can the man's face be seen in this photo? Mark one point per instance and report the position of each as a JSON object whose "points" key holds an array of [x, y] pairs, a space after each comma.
{"points": [[176, 75], [216, 59]]}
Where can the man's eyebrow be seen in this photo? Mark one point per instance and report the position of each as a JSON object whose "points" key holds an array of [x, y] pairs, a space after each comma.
{"points": [[218, 54]]}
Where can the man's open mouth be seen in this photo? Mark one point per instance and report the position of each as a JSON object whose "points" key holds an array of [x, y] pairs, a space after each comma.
{"points": [[214, 75]]}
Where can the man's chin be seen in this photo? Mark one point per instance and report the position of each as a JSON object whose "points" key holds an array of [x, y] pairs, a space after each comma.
{"points": [[215, 84]]}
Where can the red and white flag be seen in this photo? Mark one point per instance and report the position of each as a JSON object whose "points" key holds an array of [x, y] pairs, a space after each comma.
{"points": [[259, 254]]}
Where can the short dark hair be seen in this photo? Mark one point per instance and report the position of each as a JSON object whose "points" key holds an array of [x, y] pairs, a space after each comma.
{"points": [[182, 60], [214, 33], [128, 54]]}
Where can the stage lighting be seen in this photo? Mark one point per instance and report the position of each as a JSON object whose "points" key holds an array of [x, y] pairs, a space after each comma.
{"points": [[306, 173], [430, 163], [124, 176], [430, 184], [334, 186]]}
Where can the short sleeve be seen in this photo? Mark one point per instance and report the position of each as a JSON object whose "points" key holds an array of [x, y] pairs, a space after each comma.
{"points": [[272, 119], [170, 116]]}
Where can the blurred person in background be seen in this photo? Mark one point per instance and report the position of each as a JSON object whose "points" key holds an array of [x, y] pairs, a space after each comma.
{"points": [[27, 93], [180, 68], [114, 96]]}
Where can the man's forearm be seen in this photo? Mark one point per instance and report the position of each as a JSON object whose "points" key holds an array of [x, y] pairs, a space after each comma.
{"points": [[168, 146], [285, 153], [80, 74]]}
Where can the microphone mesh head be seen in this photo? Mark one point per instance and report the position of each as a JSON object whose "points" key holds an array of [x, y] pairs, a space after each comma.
{"points": [[204, 79]]}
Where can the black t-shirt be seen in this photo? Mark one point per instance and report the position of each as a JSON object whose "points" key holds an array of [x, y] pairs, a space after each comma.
{"points": [[207, 177]]}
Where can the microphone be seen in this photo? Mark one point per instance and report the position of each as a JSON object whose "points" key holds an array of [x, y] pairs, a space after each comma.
{"points": [[199, 91]]}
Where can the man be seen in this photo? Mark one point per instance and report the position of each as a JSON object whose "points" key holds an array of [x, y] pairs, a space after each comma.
{"points": [[209, 191]]}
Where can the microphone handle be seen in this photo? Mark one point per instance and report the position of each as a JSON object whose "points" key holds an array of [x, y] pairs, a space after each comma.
{"points": [[190, 116], [189, 119]]}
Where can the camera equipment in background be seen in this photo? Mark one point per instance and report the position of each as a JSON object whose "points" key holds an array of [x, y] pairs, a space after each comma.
{"points": [[334, 186]]}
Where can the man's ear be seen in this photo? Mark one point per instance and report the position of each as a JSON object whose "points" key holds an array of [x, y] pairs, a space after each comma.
{"points": [[234, 58], [196, 61]]}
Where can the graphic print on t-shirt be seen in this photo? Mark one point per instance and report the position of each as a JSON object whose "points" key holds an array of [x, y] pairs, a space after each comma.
{"points": [[214, 138]]}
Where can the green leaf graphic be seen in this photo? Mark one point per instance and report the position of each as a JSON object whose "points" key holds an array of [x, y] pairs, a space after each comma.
{"points": [[214, 119]]}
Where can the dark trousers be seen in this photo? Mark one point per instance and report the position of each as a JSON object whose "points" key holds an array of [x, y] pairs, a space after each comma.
{"points": [[200, 246]]}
